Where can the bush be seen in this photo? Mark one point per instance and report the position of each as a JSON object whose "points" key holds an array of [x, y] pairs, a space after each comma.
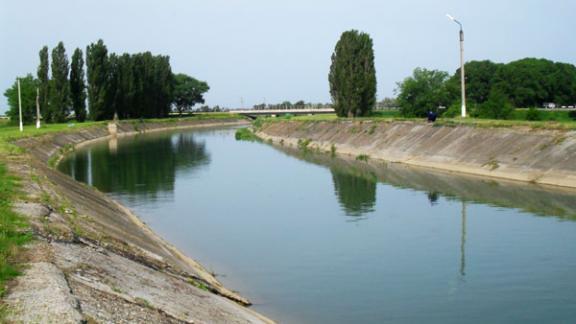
{"points": [[496, 107], [533, 114]]}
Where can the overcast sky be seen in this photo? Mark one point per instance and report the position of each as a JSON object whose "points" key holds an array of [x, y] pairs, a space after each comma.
{"points": [[280, 50]]}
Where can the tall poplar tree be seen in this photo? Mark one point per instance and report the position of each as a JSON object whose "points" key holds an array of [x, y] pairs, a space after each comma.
{"points": [[59, 85], [98, 74], [78, 86], [43, 81], [352, 75]]}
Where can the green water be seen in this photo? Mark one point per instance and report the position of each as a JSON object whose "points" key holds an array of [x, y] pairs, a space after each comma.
{"points": [[312, 239]]}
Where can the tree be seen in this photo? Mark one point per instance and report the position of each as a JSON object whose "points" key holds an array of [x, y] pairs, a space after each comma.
{"points": [[425, 90], [352, 75], [43, 81], [97, 72], [187, 92], [28, 87], [78, 86], [59, 106], [496, 107], [480, 78]]}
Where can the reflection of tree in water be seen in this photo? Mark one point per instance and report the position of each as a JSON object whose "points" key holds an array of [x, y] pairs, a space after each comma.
{"points": [[141, 165], [357, 195], [433, 197]]}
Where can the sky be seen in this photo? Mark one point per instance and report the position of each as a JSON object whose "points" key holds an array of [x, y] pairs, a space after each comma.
{"points": [[254, 51]]}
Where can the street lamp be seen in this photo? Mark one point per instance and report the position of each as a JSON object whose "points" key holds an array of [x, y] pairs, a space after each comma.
{"points": [[20, 105], [462, 84]]}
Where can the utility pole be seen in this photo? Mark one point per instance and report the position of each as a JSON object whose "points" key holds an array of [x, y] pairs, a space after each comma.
{"points": [[37, 108], [462, 82], [20, 106]]}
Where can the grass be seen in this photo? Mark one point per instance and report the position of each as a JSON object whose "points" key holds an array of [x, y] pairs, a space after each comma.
{"points": [[362, 157], [12, 229], [10, 133], [245, 134], [555, 120]]}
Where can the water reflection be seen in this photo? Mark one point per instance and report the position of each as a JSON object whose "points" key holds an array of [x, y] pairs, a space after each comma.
{"points": [[356, 194], [540, 200], [116, 166], [463, 242], [433, 197]]}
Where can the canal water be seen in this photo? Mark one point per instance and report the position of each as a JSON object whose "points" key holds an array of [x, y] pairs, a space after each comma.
{"points": [[315, 239]]}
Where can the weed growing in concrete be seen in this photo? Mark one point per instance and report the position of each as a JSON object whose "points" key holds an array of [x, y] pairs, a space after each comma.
{"points": [[333, 150], [303, 144], [362, 157], [245, 134]]}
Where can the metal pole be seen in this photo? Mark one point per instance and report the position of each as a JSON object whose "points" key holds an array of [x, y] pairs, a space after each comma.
{"points": [[37, 108], [462, 82], [20, 106]]}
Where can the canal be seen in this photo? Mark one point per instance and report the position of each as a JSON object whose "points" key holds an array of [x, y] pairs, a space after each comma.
{"points": [[315, 239]]}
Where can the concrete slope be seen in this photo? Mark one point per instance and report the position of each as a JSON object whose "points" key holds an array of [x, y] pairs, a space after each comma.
{"points": [[531, 155], [116, 268]]}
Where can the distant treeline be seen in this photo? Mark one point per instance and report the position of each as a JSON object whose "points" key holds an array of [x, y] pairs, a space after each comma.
{"points": [[492, 89], [301, 104], [138, 85]]}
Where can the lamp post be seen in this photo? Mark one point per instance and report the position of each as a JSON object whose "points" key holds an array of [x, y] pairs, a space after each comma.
{"points": [[462, 83], [20, 106]]}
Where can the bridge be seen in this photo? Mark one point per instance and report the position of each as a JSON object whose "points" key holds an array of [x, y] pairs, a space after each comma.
{"points": [[253, 113]]}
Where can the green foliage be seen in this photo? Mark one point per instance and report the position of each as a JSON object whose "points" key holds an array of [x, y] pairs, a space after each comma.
{"points": [[11, 229], [97, 71], [454, 110], [245, 134], [131, 85], [532, 82], [43, 80], [28, 94], [526, 83], [496, 107], [59, 94], [78, 86], [425, 90], [362, 157], [479, 81], [533, 114], [188, 92], [140, 86], [352, 75]]}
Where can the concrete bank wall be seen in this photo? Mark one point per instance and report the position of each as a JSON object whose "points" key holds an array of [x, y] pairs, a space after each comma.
{"points": [[532, 155], [97, 245]]}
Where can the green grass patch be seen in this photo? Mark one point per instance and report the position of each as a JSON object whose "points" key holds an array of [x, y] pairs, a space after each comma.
{"points": [[555, 120], [303, 144], [10, 133], [12, 229], [245, 134], [362, 157]]}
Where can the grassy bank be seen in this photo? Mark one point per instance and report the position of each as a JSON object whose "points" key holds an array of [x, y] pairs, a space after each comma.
{"points": [[12, 228], [550, 120]]}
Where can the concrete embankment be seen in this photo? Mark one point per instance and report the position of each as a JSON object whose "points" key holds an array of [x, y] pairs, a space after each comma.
{"points": [[96, 261], [532, 155]]}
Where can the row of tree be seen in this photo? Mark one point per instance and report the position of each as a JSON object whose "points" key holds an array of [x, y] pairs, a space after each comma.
{"points": [[130, 85], [493, 89], [300, 104]]}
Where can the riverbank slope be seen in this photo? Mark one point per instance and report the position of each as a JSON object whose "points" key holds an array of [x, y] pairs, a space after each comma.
{"points": [[542, 156], [93, 260]]}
